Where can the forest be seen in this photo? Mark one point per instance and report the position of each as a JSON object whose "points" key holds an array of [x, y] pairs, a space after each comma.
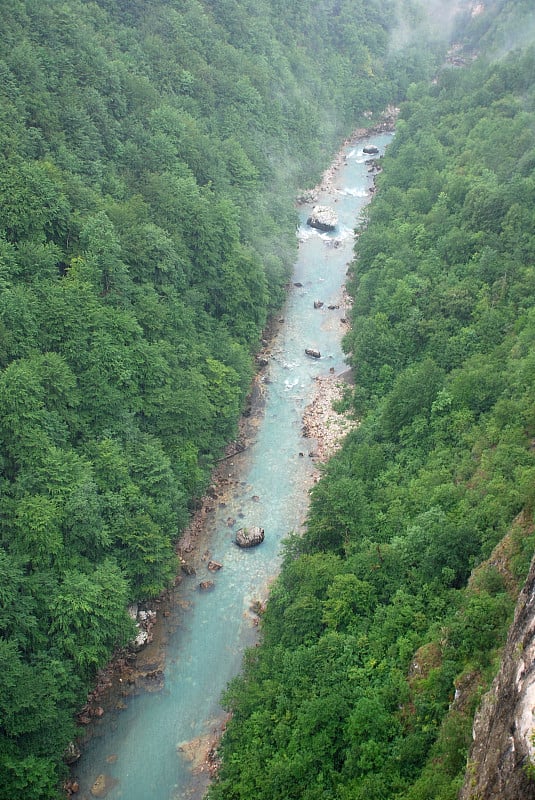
{"points": [[151, 152], [386, 623]]}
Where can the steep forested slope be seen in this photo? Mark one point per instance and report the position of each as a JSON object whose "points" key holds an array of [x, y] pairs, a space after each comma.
{"points": [[371, 635], [149, 154]]}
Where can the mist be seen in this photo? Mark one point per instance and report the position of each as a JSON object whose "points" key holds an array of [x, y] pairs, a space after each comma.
{"points": [[512, 31], [426, 18]]}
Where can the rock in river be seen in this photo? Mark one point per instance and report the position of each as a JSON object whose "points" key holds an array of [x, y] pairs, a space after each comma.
{"points": [[323, 218], [249, 537], [103, 785]]}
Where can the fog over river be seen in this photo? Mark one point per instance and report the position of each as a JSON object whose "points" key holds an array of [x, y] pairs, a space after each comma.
{"points": [[134, 752]]}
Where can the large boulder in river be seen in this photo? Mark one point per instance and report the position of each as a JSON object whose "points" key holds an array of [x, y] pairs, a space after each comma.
{"points": [[370, 150], [323, 218], [250, 537]]}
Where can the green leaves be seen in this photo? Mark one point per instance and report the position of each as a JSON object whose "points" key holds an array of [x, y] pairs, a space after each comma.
{"points": [[88, 615], [35, 722], [349, 603], [32, 205], [37, 534]]}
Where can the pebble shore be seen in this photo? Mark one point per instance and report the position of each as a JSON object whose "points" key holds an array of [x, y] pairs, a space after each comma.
{"points": [[322, 422]]}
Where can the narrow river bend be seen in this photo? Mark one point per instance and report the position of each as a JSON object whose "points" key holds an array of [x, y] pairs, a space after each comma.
{"points": [[137, 747]]}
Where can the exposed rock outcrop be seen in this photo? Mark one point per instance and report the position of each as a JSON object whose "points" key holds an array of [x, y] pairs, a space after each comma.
{"points": [[187, 569], [502, 746], [72, 753], [144, 623], [323, 218]]}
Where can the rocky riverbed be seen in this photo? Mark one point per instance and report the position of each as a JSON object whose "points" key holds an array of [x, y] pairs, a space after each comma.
{"points": [[386, 123]]}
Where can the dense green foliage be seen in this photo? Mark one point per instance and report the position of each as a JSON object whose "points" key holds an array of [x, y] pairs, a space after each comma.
{"points": [[150, 153], [370, 628]]}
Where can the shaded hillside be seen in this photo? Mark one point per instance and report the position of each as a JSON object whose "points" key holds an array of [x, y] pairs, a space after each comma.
{"points": [[370, 636]]}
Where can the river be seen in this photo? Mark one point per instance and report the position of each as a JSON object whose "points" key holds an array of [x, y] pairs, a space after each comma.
{"points": [[137, 745]]}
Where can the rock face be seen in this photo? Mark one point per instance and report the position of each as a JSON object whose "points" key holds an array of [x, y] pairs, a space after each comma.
{"points": [[323, 218], [250, 537], [72, 753], [505, 722], [144, 623], [186, 568]]}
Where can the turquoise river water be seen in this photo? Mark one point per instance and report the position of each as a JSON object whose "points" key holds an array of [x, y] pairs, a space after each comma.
{"points": [[137, 747]]}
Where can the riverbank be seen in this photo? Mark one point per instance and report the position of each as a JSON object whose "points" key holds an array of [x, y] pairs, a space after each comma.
{"points": [[321, 420], [385, 124]]}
